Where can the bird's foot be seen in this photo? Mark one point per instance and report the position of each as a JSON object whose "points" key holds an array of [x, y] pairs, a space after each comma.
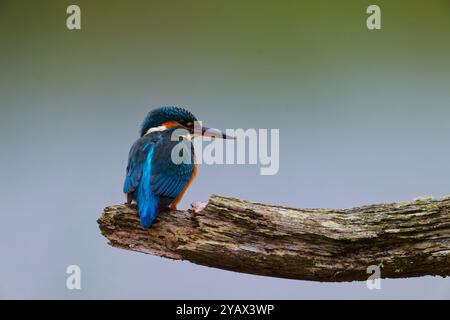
{"points": [[198, 206]]}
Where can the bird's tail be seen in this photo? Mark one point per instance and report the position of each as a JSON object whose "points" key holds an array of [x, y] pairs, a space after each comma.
{"points": [[147, 204], [146, 213]]}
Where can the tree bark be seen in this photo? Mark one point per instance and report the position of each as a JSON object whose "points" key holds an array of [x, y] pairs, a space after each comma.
{"points": [[407, 239]]}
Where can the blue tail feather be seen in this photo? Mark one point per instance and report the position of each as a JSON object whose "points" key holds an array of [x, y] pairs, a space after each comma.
{"points": [[147, 201], [147, 210]]}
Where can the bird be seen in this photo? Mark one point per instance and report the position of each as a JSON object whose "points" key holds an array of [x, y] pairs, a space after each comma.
{"points": [[153, 180]]}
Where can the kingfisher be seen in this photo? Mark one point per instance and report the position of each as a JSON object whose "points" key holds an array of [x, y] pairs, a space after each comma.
{"points": [[153, 180]]}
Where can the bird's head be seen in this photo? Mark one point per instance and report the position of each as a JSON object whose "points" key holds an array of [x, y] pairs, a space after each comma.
{"points": [[166, 117]]}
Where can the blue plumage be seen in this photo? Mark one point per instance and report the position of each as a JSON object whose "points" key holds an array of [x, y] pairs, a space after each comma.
{"points": [[161, 115], [146, 200], [153, 180], [139, 170]]}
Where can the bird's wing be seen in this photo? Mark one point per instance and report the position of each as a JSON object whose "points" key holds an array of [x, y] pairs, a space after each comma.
{"points": [[170, 186], [136, 161], [168, 179]]}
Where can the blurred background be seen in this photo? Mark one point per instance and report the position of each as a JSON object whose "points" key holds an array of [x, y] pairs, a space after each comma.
{"points": [[363, 118]]}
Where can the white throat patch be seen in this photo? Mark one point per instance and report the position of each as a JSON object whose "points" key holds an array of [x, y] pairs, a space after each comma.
{"points": [[154, 129]]}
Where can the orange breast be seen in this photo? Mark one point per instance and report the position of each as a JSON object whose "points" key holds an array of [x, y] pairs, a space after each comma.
{"points": [[175, 202]]}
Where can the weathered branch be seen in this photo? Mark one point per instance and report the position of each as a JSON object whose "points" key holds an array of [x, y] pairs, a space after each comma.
{"points": [[410, 239]]}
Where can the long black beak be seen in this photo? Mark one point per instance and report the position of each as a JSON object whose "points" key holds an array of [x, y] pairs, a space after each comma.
{"points": [[215, 133]]}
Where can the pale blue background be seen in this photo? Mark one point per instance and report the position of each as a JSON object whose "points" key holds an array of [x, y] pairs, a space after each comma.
{"points": [[363, 118]]}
